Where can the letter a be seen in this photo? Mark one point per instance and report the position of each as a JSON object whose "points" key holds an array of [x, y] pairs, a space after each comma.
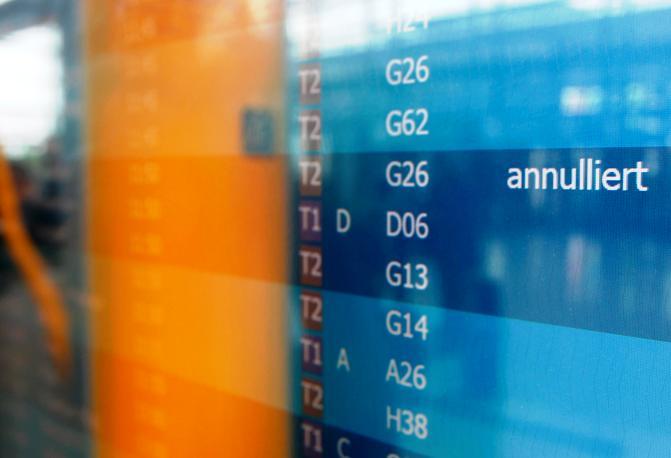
{"points": [[343, 360], [514, 178]]}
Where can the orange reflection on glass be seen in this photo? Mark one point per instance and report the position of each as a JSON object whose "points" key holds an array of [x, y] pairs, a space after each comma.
{"points": [[34, 271]]}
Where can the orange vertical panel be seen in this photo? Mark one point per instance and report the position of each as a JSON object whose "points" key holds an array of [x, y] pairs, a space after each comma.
{"points": [[187, 235]]}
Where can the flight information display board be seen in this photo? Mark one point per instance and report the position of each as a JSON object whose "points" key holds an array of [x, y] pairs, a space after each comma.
{"points": [[335, 228], [481, 244]]}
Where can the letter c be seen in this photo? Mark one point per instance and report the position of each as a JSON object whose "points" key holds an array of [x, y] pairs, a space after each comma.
{"points": [[342, 442]]}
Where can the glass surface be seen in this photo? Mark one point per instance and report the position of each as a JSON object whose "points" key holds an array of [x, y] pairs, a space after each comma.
{"points": [[335, 228]]}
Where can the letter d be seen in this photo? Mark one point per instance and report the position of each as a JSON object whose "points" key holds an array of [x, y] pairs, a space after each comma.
{"points": [[344, 221]]}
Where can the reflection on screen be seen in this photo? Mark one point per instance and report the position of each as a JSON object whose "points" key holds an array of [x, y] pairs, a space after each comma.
{"points": [[318, 228]]}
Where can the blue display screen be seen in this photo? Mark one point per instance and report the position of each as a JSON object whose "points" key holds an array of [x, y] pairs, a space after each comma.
{"points": [[482, 214]]}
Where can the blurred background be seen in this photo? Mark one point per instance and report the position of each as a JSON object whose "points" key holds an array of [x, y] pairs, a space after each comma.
{"points": [[118, 330], [43, 359]]}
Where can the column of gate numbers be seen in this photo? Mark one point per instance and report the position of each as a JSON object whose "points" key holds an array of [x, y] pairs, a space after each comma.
{"points": [[406, 70]]}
